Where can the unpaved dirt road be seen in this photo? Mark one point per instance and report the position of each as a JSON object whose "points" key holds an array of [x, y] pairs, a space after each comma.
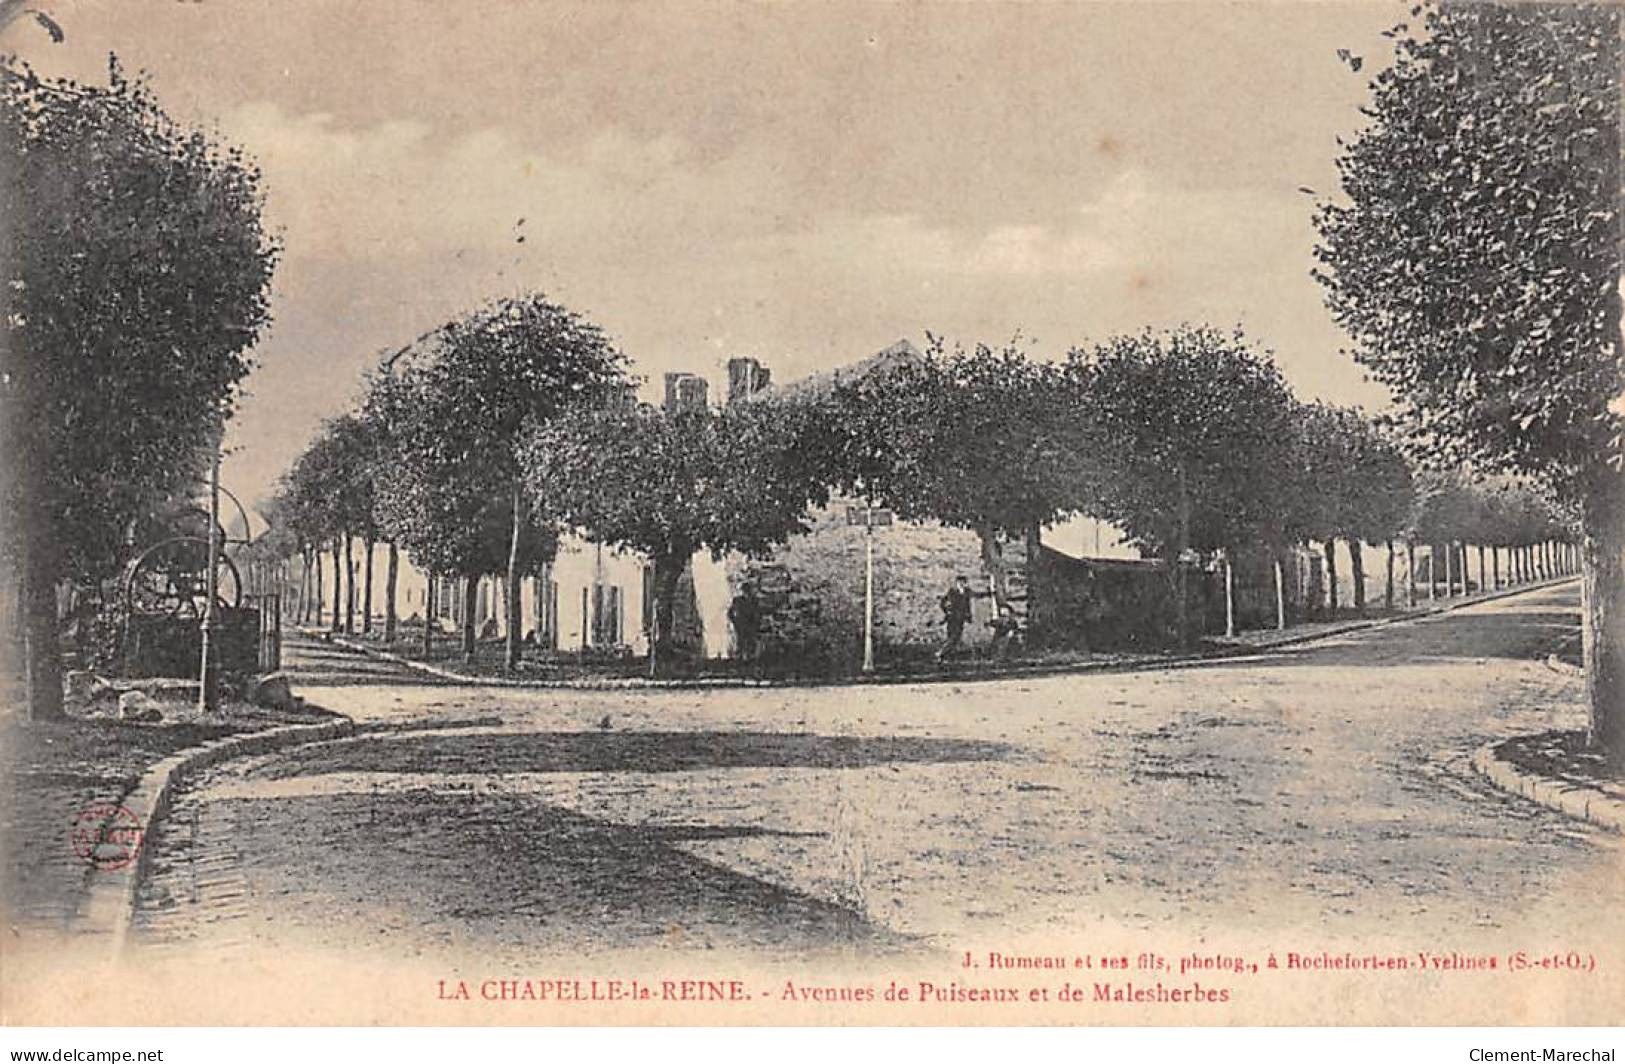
{"points": [[1319, 792]]}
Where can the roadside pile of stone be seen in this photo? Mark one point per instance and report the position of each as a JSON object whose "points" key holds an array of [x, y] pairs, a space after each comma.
{"points": [[153, 700]]}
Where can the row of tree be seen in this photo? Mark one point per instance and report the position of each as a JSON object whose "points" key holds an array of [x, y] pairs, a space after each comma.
{"points": [[475, 448], [1474, 259]]}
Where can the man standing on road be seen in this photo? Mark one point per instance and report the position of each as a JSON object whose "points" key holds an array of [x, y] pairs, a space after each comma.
{"points": [[955, 614]]}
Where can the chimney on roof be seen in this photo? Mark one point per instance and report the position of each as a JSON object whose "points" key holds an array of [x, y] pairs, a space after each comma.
{"points": [[686, 391], [746, 377]]}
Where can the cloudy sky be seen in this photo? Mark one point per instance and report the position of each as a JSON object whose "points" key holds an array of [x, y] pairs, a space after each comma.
{"points": [[803, 182]]}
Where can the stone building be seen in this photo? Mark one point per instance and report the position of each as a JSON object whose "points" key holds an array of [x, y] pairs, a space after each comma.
{"points": [[811, 589]]}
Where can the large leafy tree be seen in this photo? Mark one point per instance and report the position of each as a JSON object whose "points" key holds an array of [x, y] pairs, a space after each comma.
{"points": [[456, 406], [986, 440], [1475, 262], [668, 483], [1193, 432], [1353, 484], [137, 274]]}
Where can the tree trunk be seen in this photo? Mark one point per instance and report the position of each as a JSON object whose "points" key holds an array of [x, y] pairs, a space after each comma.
{"points": [[1602, 613], [1449, 568], [349, 587], [42, 646], [663, 655], [1410, 574], [471, 601], [1495, 566], [338, 586], [366, 588], [1038, 628], [993, 562], [431, 607], [514, 643], [321, 588], [1280, 594], [1331, 576], [1388, 584], [1176, 565], [391, 583], [1357, 564]]}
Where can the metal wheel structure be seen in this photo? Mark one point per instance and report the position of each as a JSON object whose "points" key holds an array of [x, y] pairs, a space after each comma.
{"points": [[169, 578]]}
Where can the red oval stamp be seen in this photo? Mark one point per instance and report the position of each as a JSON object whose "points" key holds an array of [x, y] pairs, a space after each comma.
{"points": [[106, 836]]}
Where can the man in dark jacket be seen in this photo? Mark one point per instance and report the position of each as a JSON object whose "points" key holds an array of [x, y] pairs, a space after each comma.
{"points": [[955, 614]]}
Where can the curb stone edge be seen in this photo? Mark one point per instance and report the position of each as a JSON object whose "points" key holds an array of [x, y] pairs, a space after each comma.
{"points": [[1580, 802], [111, 899]]}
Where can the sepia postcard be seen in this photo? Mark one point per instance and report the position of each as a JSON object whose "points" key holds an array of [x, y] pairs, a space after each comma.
{"points": [[841, 513]]}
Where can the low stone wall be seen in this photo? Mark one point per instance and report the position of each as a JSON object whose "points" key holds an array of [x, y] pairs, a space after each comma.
{"points": [[1103, 604], [811, 589], [810, 593]]}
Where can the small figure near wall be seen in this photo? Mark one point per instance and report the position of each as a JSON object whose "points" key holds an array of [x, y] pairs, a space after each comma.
{"points": [[1006, 632], [955, 604]]}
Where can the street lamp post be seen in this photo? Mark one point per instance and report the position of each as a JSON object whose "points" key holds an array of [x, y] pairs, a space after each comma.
{"points": [[868, 516], [1229, 599], [868, 596]]}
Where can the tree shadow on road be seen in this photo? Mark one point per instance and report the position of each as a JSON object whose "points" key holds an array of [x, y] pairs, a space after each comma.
{"points": [[1530, 634], [500, 871], [609, 751]]}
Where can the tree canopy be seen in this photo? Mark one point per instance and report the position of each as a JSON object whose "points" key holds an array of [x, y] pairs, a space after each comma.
{"points": [[986, 440], [669, 483], [137, 281], [1351, 481], [1195, 431], [1475, 259], [454, 409]]}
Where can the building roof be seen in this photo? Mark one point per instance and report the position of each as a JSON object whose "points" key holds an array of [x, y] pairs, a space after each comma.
{"points": [[819, 385]]}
